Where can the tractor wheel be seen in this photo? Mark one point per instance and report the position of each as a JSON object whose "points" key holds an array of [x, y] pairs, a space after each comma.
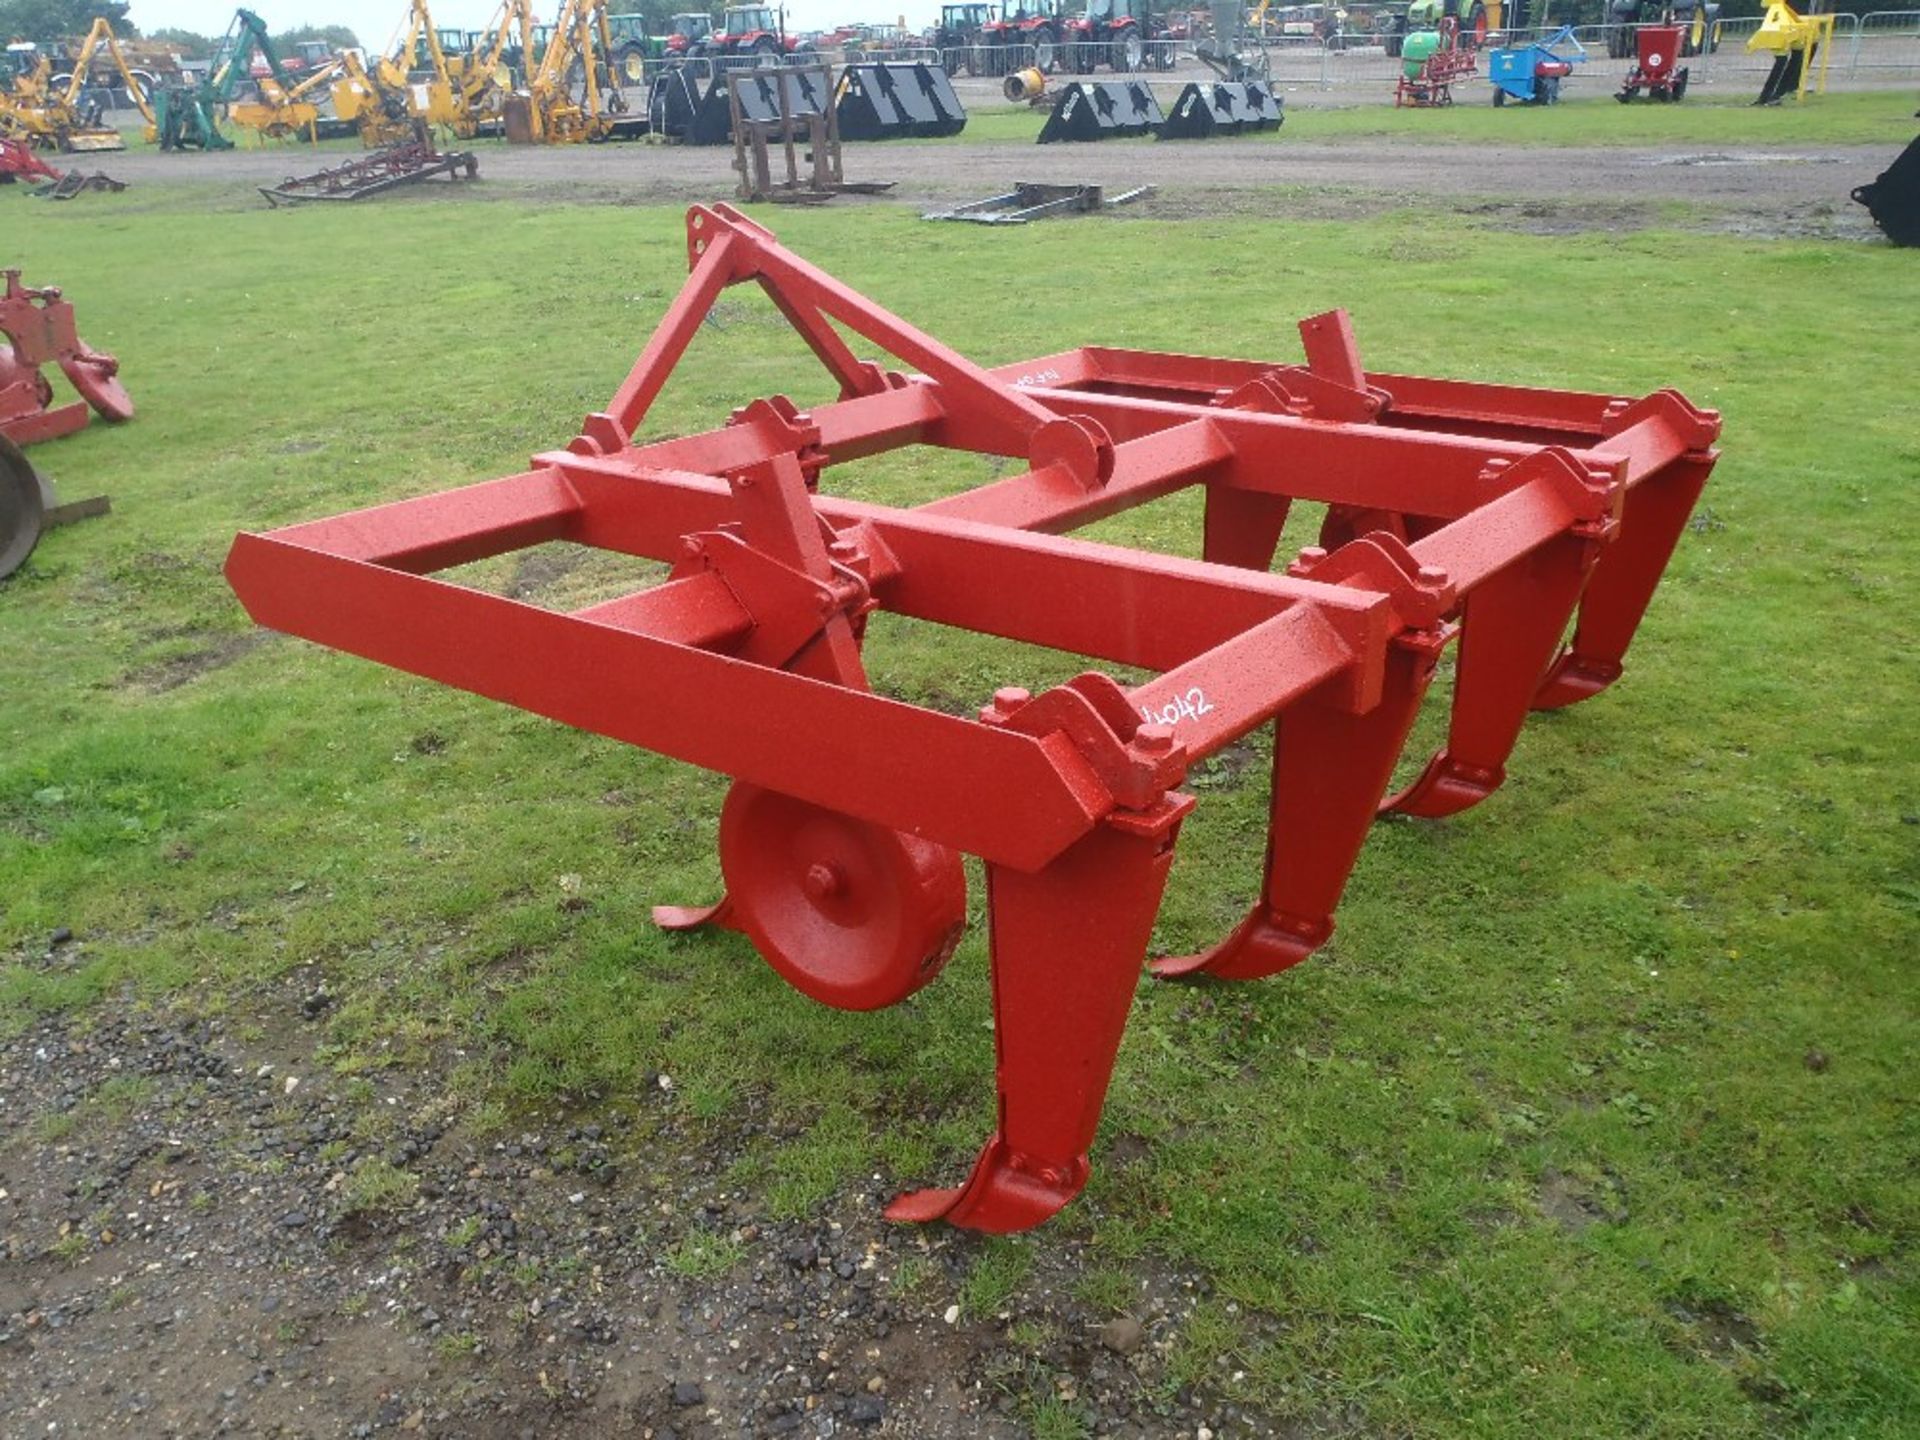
{"points": [[1129, 53], [1473, 30], [1045, 53], [22, 508], [629, 65], [766, 51], [1550, 90]]}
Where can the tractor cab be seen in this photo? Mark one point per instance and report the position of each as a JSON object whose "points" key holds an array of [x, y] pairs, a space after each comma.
{"points": [[1109, 32], [745, 20], [689, 32]]}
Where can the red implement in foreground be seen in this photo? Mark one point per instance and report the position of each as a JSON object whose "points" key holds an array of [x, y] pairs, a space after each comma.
{"points": [[37, 327], [1485, 513]]}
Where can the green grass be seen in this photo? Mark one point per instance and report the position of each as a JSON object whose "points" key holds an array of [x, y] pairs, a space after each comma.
{"points": [[1531, 1150]]}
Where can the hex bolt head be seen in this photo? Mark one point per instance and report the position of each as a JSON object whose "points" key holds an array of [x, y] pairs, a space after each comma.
{"points": [[1154, 739]]}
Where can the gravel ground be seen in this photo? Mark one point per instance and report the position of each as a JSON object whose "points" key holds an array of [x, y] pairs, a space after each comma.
{"points": [[202, 1234]]}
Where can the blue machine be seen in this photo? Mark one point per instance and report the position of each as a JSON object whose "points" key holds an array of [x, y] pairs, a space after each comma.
{"points": [[1532, 73]]}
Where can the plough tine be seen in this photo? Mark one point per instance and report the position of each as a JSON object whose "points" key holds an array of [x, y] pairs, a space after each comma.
{"points": [[1242, 527], [1623, 582], [693, 917], [1510, 629], [1057, 1025], [1330, 768]]}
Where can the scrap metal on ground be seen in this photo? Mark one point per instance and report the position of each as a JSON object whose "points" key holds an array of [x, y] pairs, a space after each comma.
{"points": [[1492, 516], [375, 174], [37, 326], [1027, 201]]}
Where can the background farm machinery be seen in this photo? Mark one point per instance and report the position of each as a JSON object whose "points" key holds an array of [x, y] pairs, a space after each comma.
{"points": [[1480, 515], [1531, 74], [1657, 72], [37, 331]]}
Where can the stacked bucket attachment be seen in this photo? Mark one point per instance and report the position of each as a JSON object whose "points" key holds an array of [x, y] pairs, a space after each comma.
{"points": [[1103, 110], [1222, 107], [877, 101], [37, 329], [683, 107], [1489, 517]]}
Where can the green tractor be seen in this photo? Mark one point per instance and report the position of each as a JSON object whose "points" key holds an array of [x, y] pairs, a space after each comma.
{"points": [[632, 48]]}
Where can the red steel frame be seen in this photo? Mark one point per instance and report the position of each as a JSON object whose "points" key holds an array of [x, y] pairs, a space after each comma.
{"points": [[1493, 514], [36, 329]]}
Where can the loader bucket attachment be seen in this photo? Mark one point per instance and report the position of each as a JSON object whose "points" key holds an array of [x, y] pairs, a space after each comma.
{"points": [[1221, 107], [1103, 110], [1893, 200], [1488, 516], [891, 102]]}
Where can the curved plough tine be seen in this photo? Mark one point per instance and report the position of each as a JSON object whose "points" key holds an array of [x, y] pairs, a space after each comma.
{"points": [[692, 917], [1260, 945]]}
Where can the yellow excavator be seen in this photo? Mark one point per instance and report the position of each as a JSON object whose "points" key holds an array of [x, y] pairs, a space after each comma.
{"points": [[372, 100], [57, 118], [279, 111], [422, 80], [562, 104]]}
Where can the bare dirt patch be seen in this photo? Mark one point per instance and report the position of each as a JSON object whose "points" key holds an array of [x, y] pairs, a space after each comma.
{"points": [[205, 1231]]}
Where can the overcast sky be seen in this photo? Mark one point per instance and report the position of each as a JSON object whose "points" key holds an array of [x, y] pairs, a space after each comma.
{"points": [[375, 21]]}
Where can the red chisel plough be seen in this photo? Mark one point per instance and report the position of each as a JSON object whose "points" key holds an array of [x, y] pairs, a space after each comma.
{"points": [[1488, 514]]}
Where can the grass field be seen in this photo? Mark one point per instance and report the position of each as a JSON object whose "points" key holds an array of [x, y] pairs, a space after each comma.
{"points": [[1596, 1117]]}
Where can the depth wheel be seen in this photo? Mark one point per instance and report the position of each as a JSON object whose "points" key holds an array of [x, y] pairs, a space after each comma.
{"points": [[850, 913], [22, 511]]}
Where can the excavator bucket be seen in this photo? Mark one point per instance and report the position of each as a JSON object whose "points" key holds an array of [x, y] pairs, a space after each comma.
{"points": [[1528, 527]]}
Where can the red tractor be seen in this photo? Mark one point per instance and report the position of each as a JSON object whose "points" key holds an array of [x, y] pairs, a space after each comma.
{"points": [[1026, 32], [751, 35], [1112, 33]]}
